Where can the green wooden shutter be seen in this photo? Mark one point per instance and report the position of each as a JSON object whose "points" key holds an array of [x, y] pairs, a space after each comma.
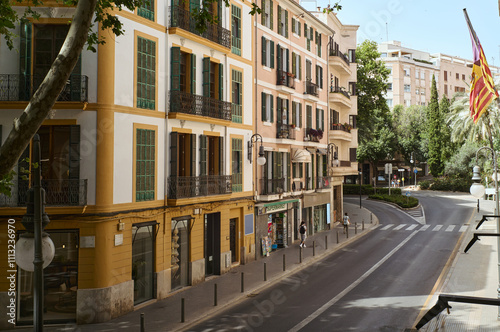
{"points": [[221, 82], [288, 173], [300, 67], [300, 115], [272, 13], [272, 109], [194, 5], [263, 13], [305, 30], [286, 23], [221, 156], [193, 154], [317, 119], [298, 26], [264, 44], [323, 120], [294, 113], [279, 109], [271, 56], [287, 60], [294, 68], [278, 58], [319, 45], [293, 25], [203, 155], [206, 77], [174, 143], [193, 74], [288, 111], [74, 152], [264, 115], [176, 69], [279, 19]]}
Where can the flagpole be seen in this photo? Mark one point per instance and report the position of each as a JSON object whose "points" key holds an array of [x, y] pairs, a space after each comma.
{"points": [[471, 29]]}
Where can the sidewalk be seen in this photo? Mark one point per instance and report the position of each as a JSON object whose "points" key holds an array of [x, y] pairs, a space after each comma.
{"points": [[474, 273], [165, 315]]}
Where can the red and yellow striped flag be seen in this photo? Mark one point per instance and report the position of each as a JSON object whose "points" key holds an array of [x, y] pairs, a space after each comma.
{"points": [[482, 88]]}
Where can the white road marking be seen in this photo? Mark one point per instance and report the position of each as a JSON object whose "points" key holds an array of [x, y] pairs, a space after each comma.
{"points": [[386, 227], [463, 229], [397, 228], [412, 227], [424, 227], [437, 228], [450, 228], [330, 303]]}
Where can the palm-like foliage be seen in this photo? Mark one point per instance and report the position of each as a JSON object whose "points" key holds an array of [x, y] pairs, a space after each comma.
{"points": [[463, 127]]}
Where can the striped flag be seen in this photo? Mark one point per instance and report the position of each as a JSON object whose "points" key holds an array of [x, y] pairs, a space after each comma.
{"points": [[482, 88]]}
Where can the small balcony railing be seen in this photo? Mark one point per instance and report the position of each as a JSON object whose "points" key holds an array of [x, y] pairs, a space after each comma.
{"points": [[187, 103], [311, 89], [336, 52], [272, 186], [15, 87], [339, 126], [284, 130], [285, 78], [181, 18], [57, 193], [323, 182], [337, 89], [198, 186]]}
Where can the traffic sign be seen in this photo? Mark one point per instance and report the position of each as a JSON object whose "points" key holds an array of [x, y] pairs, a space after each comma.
{"points": [[408, 194], [415, 171]]}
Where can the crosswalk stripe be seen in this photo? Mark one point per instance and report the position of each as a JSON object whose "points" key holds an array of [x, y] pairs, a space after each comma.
{"points": [[450, 228], [397, 228], [386, 227], [463, 229], [437, 228], [412, 227], [424, 227]]}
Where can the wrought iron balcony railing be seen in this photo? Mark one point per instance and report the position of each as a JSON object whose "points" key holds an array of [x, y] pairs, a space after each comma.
{"points": [[284, 130], [336, 52], [311, 88], [184, 102], [345, 163], [338, 89], [181, 18], [339, 126], [285, 78], [57, 193], [15, 87], [323, 182], [272, 186], [198, 186]]}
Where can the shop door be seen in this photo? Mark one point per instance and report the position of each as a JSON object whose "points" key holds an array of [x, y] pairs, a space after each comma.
{"points": [[143, 261], [212, 244], [60, 282], [233, 239], [180, 253]]}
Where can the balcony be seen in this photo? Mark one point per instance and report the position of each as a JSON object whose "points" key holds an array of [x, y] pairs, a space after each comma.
{"points": [[181, 18], [15, 87], [187, 103], [322, 182], [285, 79], [198, 186], [339, 60], [311, 91], [57, 193], [340, 96], [272, 186], [313, 135], [340, 131], [285, 131]]}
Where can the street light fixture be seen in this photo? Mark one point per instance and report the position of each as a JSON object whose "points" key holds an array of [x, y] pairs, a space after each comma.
{"points": [[477, 190], [261, 160], [35, 249]]}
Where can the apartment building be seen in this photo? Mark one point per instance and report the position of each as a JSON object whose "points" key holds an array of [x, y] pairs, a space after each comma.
{"points": [[411, 72], [148, 189]]}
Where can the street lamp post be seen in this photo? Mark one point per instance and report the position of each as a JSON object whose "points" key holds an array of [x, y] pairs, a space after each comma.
{"points": [[411, 171], [359, 171], [477, 190], [35, 249]]}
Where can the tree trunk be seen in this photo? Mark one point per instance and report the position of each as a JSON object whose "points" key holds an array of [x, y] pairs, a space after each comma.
{"points": [[46, 95]]}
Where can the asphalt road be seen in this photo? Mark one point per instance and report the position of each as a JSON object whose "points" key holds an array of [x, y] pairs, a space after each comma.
{"points": [[379, 283]]}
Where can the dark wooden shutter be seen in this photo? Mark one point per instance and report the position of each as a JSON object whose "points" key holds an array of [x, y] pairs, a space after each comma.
{"points": [[293, 25], [271, 56], [221, 82], [203, 155], [221, 169], [176, 69], [286, 23], [298, 26], [264, 44], [288, 111], [317, 119], [193, 74], [74, 152], [279, 109], [263, 13], [272, 109], [352, 154], [288, 172], [287, 60], [279, 19], [193, 154], [294, 114], [263, 100], [300, 115], [272, 14], [206, 77], [294, 67], [26, 31], [300, 67], [174, 144], [279, 65]]}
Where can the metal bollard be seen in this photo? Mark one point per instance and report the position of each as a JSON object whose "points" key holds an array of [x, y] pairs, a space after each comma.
{"points": [[337, 237], [142, 323], [182, 310], [215, 295], [300, 255], [242, 282], [363, 225], [265, 272], [347, 232], [314, 248], [355, 228], [371, 218], [284, 263], [326, 242]]}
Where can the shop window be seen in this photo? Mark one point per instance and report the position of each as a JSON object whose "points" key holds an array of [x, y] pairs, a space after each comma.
{"points": [[143, 244]]}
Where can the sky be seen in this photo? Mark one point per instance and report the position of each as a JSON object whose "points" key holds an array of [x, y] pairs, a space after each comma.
{"points": [[436, 26]]}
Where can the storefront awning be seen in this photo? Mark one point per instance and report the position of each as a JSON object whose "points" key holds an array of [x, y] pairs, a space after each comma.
{"points": [[322, 151], [301, 156]]}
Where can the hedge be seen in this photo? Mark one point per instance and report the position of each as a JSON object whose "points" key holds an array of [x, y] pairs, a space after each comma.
{"points": [[402, 201], [367, 189], [447, 184]]}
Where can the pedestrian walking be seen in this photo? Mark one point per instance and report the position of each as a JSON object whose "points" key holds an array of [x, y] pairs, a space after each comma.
{"points": [[303, 231], [347, 222]]}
